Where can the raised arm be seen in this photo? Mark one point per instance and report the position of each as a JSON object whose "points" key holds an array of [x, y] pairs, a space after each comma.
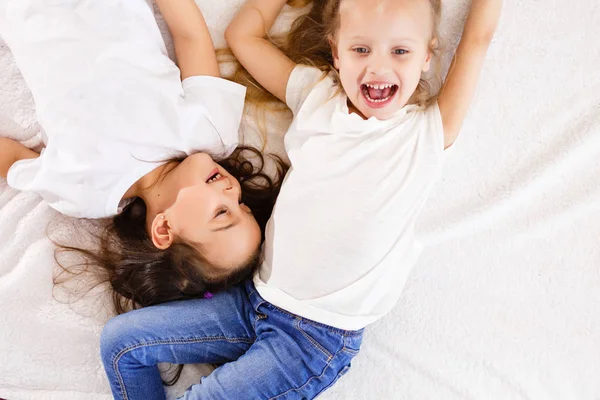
{"points": [[246, 38], [194, 48], [458, 89]]}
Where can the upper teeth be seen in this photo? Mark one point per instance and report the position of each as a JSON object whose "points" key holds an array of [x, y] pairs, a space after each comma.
{"points": [[215, 177], [379, 86]]}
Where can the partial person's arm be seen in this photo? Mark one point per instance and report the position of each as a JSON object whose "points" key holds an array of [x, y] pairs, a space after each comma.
{"points": [[459, 88], [246, 36], [11, 152], [194, 48]]}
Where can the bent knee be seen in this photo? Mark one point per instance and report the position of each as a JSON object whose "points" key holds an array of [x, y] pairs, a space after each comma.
{"points": [[116, 335]]}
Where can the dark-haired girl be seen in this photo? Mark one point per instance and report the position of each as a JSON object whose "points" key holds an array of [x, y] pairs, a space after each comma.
{"points": [[133, 137]]}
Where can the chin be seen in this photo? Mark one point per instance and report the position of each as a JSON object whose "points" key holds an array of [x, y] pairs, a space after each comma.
{"points": [[380, 114]]}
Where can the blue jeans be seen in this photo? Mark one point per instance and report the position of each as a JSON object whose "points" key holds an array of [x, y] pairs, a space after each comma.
{"points": [[266, 352]]}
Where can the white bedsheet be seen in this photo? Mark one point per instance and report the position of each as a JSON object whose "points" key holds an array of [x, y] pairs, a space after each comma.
{"points": [[505, 302]]}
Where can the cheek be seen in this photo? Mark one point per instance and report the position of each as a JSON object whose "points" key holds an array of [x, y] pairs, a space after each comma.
{"points": [[410, 72], [418, 72], [190, 207], [350, 72], [192, 197]]}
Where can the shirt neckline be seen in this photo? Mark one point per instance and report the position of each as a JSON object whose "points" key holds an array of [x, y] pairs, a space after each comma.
{"points": [[342, 108]]}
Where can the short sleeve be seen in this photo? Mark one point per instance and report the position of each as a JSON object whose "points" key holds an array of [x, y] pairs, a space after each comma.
{"points": [[302, 80], [435, 126], [223, 103]]}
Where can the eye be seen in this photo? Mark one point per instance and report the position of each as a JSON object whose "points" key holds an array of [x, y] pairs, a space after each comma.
{"points": [[400, 52], [220, 212], [360, 50]]}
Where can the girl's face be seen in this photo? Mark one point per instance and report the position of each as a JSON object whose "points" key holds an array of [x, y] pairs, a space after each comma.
{"points": [[380, 51], [208, 211]]}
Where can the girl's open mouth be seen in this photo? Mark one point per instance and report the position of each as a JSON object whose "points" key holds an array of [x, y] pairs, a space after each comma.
{"points": [[378, 95], [214, 176]]}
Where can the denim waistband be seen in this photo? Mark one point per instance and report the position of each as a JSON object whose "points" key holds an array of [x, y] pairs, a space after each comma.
{"points": [[256, 301]]}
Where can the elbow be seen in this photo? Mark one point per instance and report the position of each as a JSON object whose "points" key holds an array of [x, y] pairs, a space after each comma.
{"points": [[229, 33], [231, 36], [236, 39]]}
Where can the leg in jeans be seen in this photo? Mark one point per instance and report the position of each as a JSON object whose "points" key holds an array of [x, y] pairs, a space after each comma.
{"points": [[267, 352], [292, 358], [216, 331]]}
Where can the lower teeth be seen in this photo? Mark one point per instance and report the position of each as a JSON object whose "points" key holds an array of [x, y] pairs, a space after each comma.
{"points": [[366, 93], [378, 100]]}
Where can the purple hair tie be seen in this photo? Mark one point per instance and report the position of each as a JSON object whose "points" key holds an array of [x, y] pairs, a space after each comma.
{"points": [[208, 295]]}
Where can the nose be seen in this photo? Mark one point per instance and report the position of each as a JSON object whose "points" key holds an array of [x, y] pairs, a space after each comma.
{"points": [[227, 185], [229, 189], [378, 64], [231, 196]]}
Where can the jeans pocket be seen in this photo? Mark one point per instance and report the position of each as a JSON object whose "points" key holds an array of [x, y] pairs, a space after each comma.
{"points": [[317, 338]]}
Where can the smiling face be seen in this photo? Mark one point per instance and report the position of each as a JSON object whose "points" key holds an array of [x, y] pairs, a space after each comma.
{"points": [[380, 50], [208, 211]]}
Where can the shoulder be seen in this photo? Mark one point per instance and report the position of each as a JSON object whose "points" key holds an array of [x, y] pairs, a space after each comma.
{"points": [[303, 80], [305, 74], [433, 127], [426, 123], [213, 110]]}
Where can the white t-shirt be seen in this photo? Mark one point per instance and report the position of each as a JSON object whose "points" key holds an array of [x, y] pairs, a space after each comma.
{"points": [[340, 243], [110, 101]]}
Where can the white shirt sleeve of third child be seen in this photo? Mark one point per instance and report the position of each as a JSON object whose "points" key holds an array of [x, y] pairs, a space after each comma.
{"points": [[301, 82], [215, 109]]}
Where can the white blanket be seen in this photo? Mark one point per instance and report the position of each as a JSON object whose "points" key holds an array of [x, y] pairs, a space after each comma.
{"points": [[505, 302]]}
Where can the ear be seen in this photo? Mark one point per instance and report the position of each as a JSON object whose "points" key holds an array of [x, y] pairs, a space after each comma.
{"points": [[334, 53], [427, 63], [161, 233]]}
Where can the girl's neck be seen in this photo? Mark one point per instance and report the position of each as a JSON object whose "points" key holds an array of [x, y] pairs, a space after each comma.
{"points": [[153, 188]]}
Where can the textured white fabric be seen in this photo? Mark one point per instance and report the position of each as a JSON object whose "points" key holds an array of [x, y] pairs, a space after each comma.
{"points": [[504, 301], [110, 101], [340, 244]]}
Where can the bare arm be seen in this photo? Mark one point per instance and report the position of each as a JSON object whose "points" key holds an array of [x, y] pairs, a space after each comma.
{"points": [[458, 89], [194, 48], [11, 152], [246, 38]]}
